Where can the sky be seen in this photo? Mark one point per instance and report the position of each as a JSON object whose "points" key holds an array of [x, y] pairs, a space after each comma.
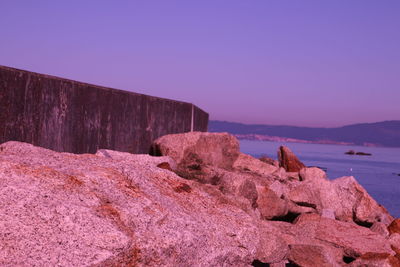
{"points": [[306, 63]]}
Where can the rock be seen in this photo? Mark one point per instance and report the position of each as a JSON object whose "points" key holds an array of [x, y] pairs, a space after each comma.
{"points": [[279, 188], [231, 182], [305, 195], [376, 260], [248, 190], [272, 247], [353, 203], [348, 200], [380, 228], [350, 152], [363, 154], [292, 176], [270, 205], [165, 162], [311, 174], [247, 163], [83, 210], [119, 209], [394, 241], [295, 209], [199, 156], [165, 166], [202, 173], [269, 161], [352, 239], [311, 255], [394, 227], [278, 264], [288, 160], [328, 213], [199, 148]]}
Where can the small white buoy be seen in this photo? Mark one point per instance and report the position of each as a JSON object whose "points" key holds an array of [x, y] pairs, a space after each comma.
{"points": [[351, 169]]}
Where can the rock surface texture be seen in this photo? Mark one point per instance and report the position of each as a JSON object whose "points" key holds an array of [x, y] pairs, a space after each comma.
{"points": [[200, 202]]}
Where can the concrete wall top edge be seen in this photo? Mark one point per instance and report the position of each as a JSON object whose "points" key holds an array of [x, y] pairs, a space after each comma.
{"points": [[2, 67]]}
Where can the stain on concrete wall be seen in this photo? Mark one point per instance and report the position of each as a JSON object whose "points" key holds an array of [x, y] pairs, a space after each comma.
{"points": [[70, 116]]}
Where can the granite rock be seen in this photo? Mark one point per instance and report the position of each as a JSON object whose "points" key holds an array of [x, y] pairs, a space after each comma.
{"points": [[61, 209], [190, 208], [394, 226], [288, 160], [199, 148]]}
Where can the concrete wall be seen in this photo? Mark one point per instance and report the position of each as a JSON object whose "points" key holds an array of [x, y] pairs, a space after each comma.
{"points": [[70, 116]]}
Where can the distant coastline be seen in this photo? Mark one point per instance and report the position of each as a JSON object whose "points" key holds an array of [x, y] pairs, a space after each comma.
{"points": [[259, 137], [379, 134]]}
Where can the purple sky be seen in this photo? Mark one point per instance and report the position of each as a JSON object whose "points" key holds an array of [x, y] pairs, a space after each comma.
{"points": [[308, 63]]}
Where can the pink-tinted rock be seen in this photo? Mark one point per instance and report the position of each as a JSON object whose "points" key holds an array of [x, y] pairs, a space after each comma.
{"points": [[354, 203], [354, 240], [279, 264], [116, 210], [328, 213], [248, 190], [298, 209], [312, 174], [199, 148], [288, 160], [394, 226], [306, 195], [270, 204], [311, 255], [380, 228], [247, 163], [119, 209], [348, 200], [269, 161], [394, 241], [376, 260], [272, 247]]}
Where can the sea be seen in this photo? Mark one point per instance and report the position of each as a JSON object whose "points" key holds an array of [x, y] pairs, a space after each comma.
{"points": [[379, 173]]}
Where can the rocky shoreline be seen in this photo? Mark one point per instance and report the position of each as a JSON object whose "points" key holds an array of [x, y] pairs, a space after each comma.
{"points": [[197, 201]]}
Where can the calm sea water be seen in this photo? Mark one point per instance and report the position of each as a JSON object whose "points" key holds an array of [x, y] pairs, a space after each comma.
{"points": [[378, 173]]}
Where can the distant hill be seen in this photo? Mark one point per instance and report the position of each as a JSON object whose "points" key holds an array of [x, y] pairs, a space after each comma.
{"points": [[386, 133]]}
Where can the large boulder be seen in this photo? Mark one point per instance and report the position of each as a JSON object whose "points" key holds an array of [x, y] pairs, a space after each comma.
{"points": [[348, 200], [353, 202], [114, 209], [288, 160], [194, 149]]}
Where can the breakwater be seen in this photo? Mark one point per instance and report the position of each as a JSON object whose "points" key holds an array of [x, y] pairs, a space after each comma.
{"points": [[70, 116]]}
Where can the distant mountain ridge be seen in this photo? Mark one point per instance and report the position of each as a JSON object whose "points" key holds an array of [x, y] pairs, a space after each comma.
{"points": [[386, 133]]}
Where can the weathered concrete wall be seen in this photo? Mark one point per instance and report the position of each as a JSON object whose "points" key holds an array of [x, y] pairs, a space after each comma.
{"points": [[70, 116]]}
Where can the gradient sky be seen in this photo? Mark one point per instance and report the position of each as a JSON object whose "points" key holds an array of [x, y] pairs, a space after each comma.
{"points": [[306, 63]]}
